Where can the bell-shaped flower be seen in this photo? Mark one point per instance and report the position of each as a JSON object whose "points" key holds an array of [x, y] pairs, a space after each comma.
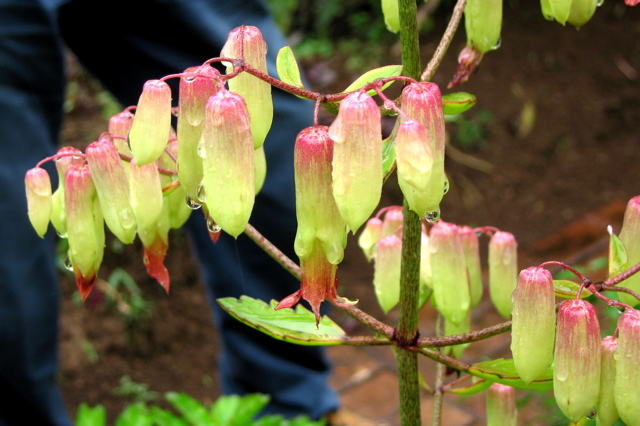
{"points": [[581, 11], [627, 357], [422, 102], [533, 326], [174, 197], [316, 211], [503, 270], [470, 246], [607, 413], [449, 272], [39, 199], [386, 272], [68, 156], [357, 158], [630, 238], [576, 376], [246, 43], [111, 184], [557, 10], [259, 168], [501, 405], [414, 160], [228, 163], [151, 126], [369, 236], [318, 283], [86, 233], [196, 87]]}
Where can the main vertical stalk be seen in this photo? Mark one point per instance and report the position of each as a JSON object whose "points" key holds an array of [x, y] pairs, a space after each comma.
{"points": [[407, 330]]}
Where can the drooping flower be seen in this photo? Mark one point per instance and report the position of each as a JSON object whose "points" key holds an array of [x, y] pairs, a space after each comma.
{"points": [[501, 406], [503, 270], [576, 376], [151, 126], [246, 43], [533, 327], [68, 156], [386, 274], [39, 199], [86, 236], [357, 158], [627, 357], [607, 413], [630, 238]]}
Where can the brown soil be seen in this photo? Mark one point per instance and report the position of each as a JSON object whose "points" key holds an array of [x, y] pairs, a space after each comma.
{"points": [[580, 155]]}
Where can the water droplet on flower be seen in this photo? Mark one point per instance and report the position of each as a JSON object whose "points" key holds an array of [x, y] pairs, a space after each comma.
{"points": [[432, 216], [201, 151], [621, 309], [212, 226], [201, 195], [61, 235], [67, 263], [191, 203], [446, 186], [497, 45]]}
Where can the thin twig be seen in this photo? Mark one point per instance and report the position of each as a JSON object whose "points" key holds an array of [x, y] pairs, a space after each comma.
{"points": [[459, 339], [273, 251], [442, 48]]}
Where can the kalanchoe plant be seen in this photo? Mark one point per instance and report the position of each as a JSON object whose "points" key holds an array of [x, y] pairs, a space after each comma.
{"points": [[216, 163]]}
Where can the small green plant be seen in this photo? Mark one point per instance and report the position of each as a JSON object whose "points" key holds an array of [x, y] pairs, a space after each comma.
{"points": [[231, 410], [135, 391]]}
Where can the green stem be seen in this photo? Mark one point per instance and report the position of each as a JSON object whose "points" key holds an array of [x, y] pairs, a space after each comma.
{"points": [[407, 331]]}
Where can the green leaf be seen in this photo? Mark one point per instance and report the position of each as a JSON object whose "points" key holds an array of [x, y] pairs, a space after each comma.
{"points": [[287, 67], [618, 258], [91, 416], [472, 388], [295, 326], [503, 371], [388, 156], [166, 418], [458, 102], [569, 290], [192, 410], [374, 74], [135, 415]]}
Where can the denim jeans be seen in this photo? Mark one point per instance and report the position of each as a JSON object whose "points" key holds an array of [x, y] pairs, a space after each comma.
{"points": [[123, 44]]}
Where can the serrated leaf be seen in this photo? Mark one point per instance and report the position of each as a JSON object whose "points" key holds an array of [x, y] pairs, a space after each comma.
{"points": [[191, 409], [504, 372], [287, 67], [295, 326], [472, 388], [458, 102], [374, 74], [569, 290], [618, 258]]}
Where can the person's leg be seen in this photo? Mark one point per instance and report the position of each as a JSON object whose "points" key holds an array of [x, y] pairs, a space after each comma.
{"points": [[125, 44], [31, 96]]}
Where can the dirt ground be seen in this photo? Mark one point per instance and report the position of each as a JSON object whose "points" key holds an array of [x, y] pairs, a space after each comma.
{"points": [[581, 154]]}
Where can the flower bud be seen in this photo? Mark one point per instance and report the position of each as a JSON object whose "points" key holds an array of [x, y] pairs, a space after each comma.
{"points": [[469, 59], [533, 326], [386, 273], [483, 22], [195, 89], [422, 102], [119, 127], [151, 126], [174, 198], [581, 11], [228, 163], [501, 406], [470, 246], [70, 156], [86, 236], [448, 272], [576, 377], [318, 281], [246, 43], [393, 220], [556, 9], [370, 235], [357, 158], [607, 411], [111, 184], [39, 199], [503, 270], [630, 237], [627, 357], [316, 211]]}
